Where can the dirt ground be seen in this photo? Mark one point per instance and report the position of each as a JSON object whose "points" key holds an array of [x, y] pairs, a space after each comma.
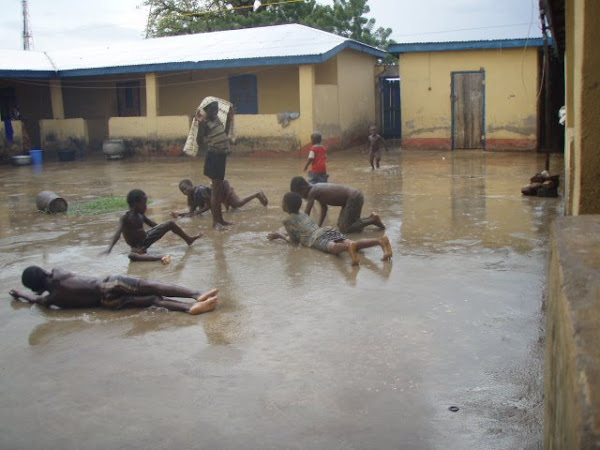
{"points": [[304, 351]]}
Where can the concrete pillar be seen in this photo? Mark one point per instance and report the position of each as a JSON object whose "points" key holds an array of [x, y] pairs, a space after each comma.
{"points": [[307, 105], [151, 95], [56, 100], [583, 154]]}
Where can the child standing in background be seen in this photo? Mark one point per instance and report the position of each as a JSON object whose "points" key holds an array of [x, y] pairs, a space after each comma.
{"points": [[376, 143], [317, 159]]}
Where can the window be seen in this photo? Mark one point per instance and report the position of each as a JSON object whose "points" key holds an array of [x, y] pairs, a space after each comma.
{"points": [[243, 93]]}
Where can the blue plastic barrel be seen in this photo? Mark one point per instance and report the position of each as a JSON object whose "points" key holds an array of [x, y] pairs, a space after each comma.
{"points": [[36, 157]]}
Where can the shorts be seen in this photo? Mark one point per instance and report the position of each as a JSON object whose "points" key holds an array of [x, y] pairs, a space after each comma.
{"points": [[315, 178], [328, 236], [214, 165], [350, 213], [375, 154], [154, 234], [118, 290]]}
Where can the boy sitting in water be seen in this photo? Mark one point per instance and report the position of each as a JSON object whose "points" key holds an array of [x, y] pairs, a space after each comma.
{"points": [[68, 290], [199, 198], [301, 229], [131, 225]]}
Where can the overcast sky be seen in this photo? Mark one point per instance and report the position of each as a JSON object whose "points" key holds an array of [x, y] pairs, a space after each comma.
{"points": [[59, 24]]}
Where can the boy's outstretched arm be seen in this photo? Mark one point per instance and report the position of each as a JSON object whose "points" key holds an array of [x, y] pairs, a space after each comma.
{"points": [[149, 222], [39, 299], [229, 121], [115, 238], [277, 235], [323, 214]]}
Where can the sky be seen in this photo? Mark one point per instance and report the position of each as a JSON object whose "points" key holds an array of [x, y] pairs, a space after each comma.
{"points": [[63, 24]]}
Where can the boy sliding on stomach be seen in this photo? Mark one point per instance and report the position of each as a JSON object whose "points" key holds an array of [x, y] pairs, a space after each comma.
{"points": [[131, 225], [199, 198], [301, 229], [68, 290]]}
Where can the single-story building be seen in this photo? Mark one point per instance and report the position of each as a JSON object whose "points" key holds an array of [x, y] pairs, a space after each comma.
{"points": [[472, 94], [286, 81]]}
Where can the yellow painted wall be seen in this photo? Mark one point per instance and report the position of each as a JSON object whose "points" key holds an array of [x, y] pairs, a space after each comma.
{"points": [[510, 92], [356, 80], [327, 111], [182, 93], [264, 125], [583, 107], [146, 127]]}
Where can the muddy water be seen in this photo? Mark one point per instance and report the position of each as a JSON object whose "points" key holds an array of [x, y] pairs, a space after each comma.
{"points": [[304, 351]]}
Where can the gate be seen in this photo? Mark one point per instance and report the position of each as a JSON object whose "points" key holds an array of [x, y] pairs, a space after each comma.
{"points": [[390, 108]]}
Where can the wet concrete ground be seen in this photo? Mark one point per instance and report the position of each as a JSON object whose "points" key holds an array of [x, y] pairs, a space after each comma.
{"points": [[304, 352]]}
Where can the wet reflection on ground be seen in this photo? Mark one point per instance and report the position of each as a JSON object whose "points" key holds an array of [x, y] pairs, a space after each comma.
{"points": [[305, 351]]}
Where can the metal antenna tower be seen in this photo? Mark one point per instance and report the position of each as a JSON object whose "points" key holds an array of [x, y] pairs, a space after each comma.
{"points": [[27, 37]]}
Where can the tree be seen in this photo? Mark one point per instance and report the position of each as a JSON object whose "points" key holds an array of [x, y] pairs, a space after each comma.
{"points": [[344, 17]]}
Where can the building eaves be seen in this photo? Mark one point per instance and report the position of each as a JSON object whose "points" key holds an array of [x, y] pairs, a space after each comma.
{"points": [[496, 44]]}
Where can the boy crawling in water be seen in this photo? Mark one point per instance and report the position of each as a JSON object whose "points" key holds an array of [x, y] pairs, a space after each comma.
{"points": [[68, 290], [198, 198], [301, 229], [131, 225]]}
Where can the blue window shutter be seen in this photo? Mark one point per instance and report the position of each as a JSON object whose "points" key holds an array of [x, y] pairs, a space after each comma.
{"points": [[243, 93]]}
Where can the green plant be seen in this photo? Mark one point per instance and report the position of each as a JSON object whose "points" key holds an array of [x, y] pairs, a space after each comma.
{"points": [[98, 206]]}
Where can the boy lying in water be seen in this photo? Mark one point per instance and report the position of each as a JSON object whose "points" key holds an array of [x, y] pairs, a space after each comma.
{"points": [[68, 290], [301, 229]]}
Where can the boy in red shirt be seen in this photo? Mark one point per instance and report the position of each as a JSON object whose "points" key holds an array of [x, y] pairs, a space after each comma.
{"points": [[317, 157]]}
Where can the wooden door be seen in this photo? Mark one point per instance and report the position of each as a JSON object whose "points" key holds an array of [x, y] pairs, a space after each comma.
{"points": [[468, 110]]}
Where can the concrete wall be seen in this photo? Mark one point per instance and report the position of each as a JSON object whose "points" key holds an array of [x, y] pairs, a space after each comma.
{"points": [[58, 134], [582, 73], [572, 368], [511, 87], [356, 81]]}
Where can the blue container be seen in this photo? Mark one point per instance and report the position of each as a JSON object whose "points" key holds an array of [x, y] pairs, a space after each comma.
{"points": [[37, 157]]}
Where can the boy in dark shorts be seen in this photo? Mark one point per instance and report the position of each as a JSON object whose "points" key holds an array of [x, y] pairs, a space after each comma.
{"points": [[301, 229], [328, 194], [199, 198], [68, 290], [213, 137], [376, 143], [131, 225]]}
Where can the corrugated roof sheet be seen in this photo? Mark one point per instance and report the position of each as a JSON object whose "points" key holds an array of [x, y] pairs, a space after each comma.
{"points": [[279, 44], [493, 44]]}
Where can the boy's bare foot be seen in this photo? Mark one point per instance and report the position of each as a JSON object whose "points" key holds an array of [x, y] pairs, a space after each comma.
{"points": [[387, 248], [354, 253], [193, 239], [210, 293], [225, 223], [217, 226], [262, 198], [202, 307], [174, 214], [165, 259], [377, 220]]}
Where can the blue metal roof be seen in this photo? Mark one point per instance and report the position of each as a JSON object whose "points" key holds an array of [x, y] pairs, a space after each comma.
{"points": [[497, 44]]}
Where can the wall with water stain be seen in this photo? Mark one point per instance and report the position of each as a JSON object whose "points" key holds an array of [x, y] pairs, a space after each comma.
{"points": [[510, 96]]}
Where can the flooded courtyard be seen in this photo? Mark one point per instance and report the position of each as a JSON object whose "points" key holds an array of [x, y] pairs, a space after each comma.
{"points": [[304, 350]]}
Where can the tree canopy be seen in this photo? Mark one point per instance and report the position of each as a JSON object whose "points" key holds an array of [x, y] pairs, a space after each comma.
{"points": [[345, 17]]}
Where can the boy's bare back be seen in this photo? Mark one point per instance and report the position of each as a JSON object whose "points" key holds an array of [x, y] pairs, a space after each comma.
{"points": [[331, 194]]}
